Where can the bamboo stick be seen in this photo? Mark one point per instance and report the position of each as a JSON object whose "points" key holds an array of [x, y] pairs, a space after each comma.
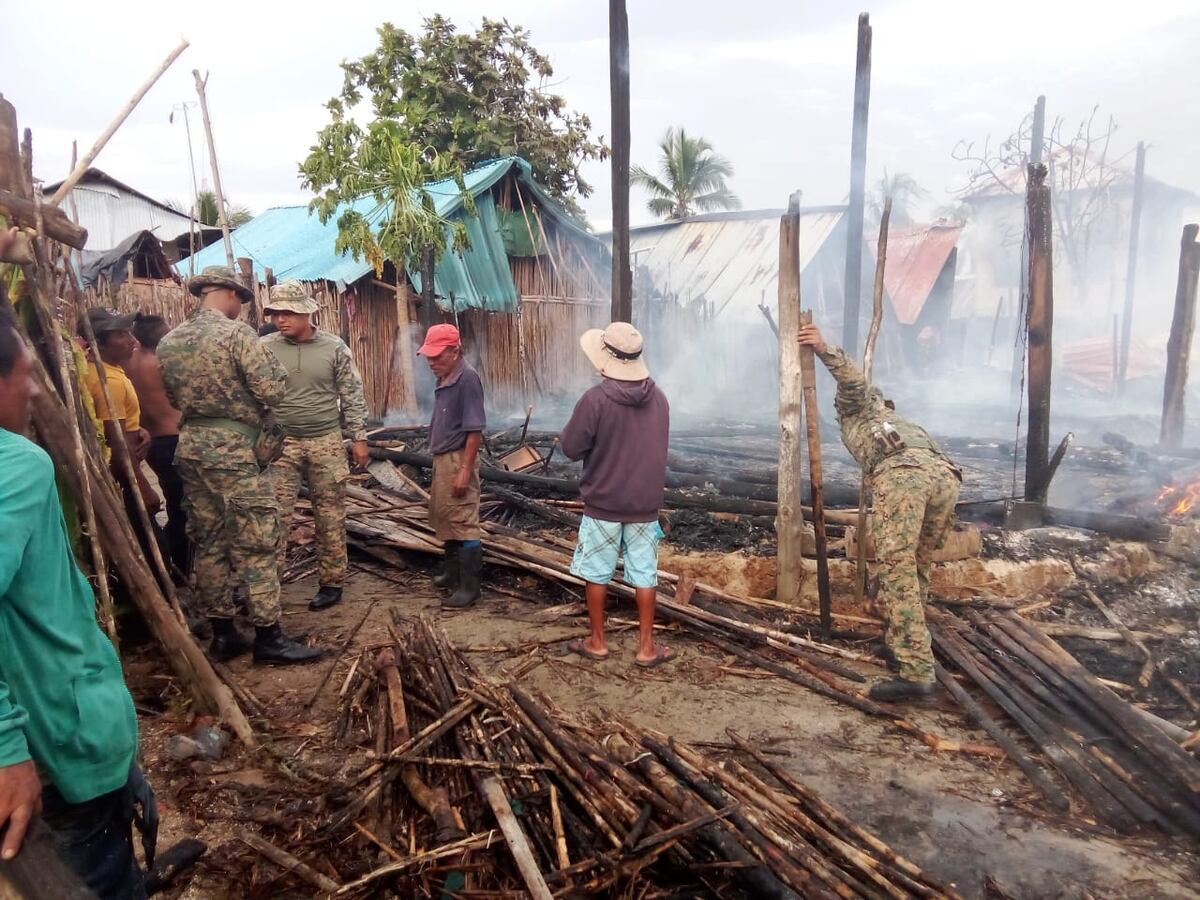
{"points": [[89, 157], [323, 883]]}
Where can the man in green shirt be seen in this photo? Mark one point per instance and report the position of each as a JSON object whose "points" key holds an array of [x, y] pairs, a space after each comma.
{"points": [[68, 731], [324, 398]]}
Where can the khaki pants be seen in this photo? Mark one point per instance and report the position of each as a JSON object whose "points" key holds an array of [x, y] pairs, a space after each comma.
{"points": [[320, 463], [453, 518]]}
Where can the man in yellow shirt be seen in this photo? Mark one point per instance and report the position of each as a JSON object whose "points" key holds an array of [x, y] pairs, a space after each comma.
{"points": [[114, 347]]}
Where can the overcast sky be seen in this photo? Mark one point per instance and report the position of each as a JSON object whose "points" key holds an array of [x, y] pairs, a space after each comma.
{"points": [[769, 83]]}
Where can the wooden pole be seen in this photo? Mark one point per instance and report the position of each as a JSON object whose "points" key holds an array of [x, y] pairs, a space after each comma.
{"points": [[789, 521], [812, 422], [1036, 143], [860, 575], [618, 76], [515, 838], [245, 270], [201, 84], [1041, 328], [1135, 221], [1179, 344], [403, 372], [858, 187], [82, 166]]}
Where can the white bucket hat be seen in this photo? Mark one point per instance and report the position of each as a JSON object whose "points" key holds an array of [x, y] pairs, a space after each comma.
{"points": [[616, 352]]}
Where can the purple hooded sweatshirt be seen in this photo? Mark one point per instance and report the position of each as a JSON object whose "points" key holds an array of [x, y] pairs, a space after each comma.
{"points": [[619, 429]]}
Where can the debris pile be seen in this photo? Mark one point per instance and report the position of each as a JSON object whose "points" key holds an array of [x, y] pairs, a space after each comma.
{"points": [[492, 788]]}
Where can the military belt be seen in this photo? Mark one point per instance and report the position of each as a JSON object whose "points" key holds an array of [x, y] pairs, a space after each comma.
{"points": [[250, 431]]}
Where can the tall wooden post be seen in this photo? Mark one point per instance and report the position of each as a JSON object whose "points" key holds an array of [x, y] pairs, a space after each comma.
{"points": [[1179, 344], [1037, 140], [1135, 221], [789, 521], [201, 83], [816, 479], [1041, 329], [858, 188], [245, 271], [618, 78]]}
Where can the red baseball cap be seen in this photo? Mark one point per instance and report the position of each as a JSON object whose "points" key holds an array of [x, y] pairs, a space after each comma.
{"points": [[438, 339]]}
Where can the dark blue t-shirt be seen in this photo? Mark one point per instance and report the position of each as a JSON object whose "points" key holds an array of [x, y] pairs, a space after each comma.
{"points": [[457, 410]]}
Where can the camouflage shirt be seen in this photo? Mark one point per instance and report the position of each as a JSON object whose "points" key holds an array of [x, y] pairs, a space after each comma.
{"points": [[214, 367], [865, 420], [324, 389]]}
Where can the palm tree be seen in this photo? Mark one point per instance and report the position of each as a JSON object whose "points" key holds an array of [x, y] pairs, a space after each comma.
{"points": [[905, 194], [692, 178], [206, 211]]}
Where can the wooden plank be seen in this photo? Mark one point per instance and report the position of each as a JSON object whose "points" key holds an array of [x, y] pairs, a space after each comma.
{"points": [[789, 521], [517, 842], [1179, 344]]}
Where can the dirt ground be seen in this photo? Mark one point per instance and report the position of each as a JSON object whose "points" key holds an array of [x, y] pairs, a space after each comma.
{"points": [[965, 819]]}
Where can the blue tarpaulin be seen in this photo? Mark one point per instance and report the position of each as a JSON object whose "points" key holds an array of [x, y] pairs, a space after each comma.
{"points": [[294, 244]]}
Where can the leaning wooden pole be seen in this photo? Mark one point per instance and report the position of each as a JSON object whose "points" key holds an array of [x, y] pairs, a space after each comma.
{"points": [[82, 166], [858, 187], [1179, 344], [816, 478], [860, 575], [618, 75], [789, 521], [1135, 222], [222, 217], [1041, 332]]}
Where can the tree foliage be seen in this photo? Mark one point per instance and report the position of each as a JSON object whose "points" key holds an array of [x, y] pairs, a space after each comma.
{"points": [[471, 97], [691, 178], [206, 211], [905, 192]]}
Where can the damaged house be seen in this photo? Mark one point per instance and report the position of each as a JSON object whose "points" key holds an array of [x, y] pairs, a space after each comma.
{"points": [[532, 279]]}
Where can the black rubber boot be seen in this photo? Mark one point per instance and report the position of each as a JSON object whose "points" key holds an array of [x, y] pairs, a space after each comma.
{"points": [[448, 577], [326, 597], [273, 647], [899, 690], [889, 656], [470, 565], [227, 641]]}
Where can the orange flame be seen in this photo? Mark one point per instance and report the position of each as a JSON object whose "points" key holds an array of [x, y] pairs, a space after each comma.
{"points": [[1179, 500]]}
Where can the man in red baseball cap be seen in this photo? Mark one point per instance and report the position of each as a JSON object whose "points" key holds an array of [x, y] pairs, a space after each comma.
{"points": [[455, 433]]}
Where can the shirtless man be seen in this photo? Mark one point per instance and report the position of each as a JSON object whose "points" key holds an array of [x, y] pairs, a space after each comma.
{"points": [[161, 420]]}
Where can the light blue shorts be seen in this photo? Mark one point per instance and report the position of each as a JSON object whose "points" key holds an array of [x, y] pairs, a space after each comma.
{"points": [[601, 542]]}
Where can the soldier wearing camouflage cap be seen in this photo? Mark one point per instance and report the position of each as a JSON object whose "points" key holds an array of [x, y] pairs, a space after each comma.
{"points": [[224, 383], [915, 488], [323, 402]]}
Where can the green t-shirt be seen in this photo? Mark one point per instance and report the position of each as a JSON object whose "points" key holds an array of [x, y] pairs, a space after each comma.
{"points": [[63, 700]]}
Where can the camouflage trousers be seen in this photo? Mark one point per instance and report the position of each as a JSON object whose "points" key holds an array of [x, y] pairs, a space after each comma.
{"points": [[319, 462], [233, 521], [914, 506]]}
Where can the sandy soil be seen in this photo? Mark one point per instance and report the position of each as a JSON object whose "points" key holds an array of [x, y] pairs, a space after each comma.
{"points": [[964, 819]]}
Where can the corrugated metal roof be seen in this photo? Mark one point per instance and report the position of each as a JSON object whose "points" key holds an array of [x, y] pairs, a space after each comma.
{"points": [[728, 259], [915, 258], [294, 244], [112, 211]]}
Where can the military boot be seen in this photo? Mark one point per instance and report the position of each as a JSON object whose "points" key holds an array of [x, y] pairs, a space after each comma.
{"points": [[448, 577], [470, 565], [273, 647], [227, 641], [326, 597], [899, 690]]}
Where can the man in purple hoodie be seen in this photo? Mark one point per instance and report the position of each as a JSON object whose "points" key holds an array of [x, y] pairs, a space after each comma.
{"points": [[619, 429]]}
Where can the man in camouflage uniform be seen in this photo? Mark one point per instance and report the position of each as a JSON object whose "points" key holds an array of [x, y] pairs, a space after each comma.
{"points": [[915, 488], [223, 382], [324, 398]]}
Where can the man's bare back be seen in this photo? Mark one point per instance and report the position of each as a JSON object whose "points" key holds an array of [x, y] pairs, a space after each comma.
{"points": [[159, 417]]}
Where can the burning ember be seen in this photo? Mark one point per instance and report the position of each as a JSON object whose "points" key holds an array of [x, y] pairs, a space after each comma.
{"points": [[1179, 500]]}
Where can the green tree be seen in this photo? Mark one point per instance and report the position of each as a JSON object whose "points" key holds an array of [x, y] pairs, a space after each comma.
{"points": [[906, 194], [468, 97], [206, 211], [691, 178]]}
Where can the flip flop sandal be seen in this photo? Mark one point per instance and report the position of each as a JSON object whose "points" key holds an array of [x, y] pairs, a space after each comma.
{"points": [[580, 648], [665, 655]]}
